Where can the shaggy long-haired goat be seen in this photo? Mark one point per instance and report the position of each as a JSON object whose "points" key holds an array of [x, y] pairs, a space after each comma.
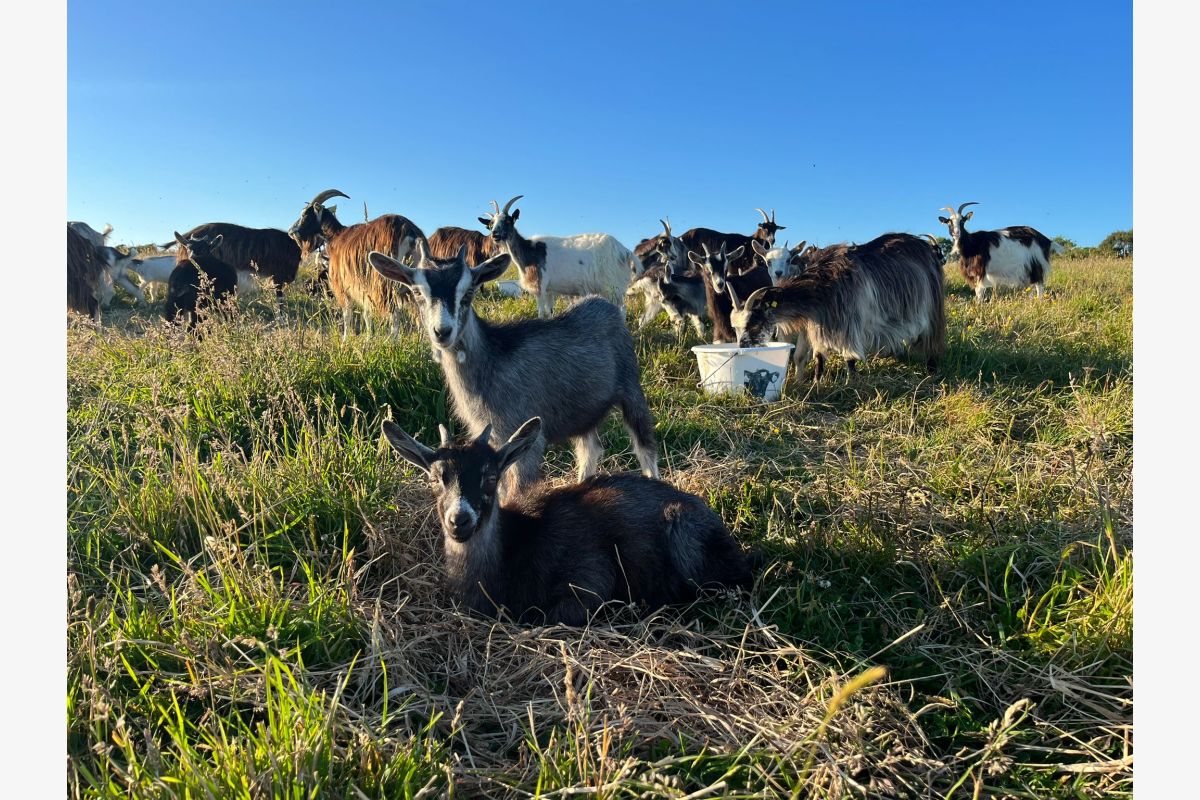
{"points": [[570, 370], [855, 300], [89, 277], [1017, 256], [351, 280], [268, 253], [555, 555]]}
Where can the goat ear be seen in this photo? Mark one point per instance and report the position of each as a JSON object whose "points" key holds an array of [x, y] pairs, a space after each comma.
{"points": [[758, 248], [515, 215], [409, 448], [943, 220], [485, 222], [519, 443], [968, 215], [179, 238], [781, 227], [695, 259], [737, 306], [389, 267], [736, 254], [798, 249], [216, 240], [490, 270], [462, 253]]}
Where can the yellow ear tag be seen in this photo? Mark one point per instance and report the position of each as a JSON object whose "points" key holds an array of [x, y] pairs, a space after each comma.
{"points": [[774, 304]]}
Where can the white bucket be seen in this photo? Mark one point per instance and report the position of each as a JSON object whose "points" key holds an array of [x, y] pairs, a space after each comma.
{"points": [[761, 371], [509, 288]]}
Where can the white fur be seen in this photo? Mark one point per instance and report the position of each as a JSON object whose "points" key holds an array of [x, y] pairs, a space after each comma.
{"points": [[587, 263], [778, 266], [1008, 266]]}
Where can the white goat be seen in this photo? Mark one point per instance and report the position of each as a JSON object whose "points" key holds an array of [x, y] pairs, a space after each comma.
{"points": [[575, 266]]}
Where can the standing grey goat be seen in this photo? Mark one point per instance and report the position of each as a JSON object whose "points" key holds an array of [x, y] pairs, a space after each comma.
{"points": [[570, 369], [558, 554]]}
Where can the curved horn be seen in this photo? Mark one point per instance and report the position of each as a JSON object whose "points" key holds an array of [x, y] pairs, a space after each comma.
{"points": [[757, 293], [495, 208], [485, 436], [328, 193], [508, 205], [964, 205], [444, 434], [948, 208], [666, 226], [765, 217], [932, 239]]}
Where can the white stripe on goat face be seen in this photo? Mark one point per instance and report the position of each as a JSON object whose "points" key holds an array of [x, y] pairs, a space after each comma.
{"points": [[456, 504]]}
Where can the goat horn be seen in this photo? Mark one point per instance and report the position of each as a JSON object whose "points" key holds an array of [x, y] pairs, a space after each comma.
{"points": [[733, 296], [484, 437], [325, 195], [444, 434], [772, 215], [765, 217], [495, 208], [508, 205], [666, 226], [964, 205], [932, 239]]}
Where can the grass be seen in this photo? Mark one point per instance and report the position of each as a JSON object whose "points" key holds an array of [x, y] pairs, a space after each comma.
{"points": [[255, 607]]}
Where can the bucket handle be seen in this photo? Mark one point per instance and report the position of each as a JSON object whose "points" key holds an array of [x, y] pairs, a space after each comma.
{"points": [[728, 358]]}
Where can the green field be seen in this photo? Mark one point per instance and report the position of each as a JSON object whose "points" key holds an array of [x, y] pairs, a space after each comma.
{"points": [[255, 608]]}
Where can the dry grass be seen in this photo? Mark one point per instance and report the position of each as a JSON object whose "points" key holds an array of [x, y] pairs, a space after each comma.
{"points": [[255, 604]]}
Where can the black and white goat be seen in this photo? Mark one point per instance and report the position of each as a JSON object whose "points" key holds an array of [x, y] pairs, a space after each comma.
{"points": [[1017, 256], [725, 279], [856, 301], [187, 292], [669, 284], [573, 266], [570, 369], [556, 555]]}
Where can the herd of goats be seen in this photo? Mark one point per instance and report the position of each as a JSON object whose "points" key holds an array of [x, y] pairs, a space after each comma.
{"points": [[514, 544]]}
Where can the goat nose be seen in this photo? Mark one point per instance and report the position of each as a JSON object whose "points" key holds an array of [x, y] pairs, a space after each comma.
{"points": [[442, 333]]}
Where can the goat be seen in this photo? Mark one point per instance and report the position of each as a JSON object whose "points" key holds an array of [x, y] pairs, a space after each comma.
{"points": [[155, 269], [186, 292], [721, 280], [89, 279], [446, 242], [94, 237], [556, 555], [570, 369], [722, 255], [351, 279], [268, 253], [1017, 256], [780, 262], [652, 252], [855, 300], [549, 266], [665, 285]]}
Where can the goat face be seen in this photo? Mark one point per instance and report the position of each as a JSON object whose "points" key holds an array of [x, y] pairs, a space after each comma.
{"points": [[956, 222], [308, 231], [502, 223], [754, 321], [716, 265], [464, 477], [766, 230], [781, 262], [197, 246], [445, 287]]}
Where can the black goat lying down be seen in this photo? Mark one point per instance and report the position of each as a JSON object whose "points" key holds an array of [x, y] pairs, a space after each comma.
{"points": [[555, 555]]}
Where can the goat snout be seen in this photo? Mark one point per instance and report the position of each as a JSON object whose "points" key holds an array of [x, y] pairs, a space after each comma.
{"points": [[442, 334]]}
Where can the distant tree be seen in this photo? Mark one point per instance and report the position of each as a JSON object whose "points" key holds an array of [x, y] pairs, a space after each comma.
{"points": [[1118, 243], [946, 245], [1067, 244]]}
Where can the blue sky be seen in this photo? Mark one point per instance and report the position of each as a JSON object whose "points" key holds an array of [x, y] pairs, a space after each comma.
{"points": [[849, 119]]}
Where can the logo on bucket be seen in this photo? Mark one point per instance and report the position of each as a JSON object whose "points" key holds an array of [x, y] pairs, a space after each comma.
{"points": [[758, 380]]}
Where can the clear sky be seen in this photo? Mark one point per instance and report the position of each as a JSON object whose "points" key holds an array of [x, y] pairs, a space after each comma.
{"points": [[850, 119]]}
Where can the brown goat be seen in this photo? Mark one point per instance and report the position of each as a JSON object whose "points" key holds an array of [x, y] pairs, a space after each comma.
{"points": [[445, 243], [352, 280], [88, 280], [266, 252]]}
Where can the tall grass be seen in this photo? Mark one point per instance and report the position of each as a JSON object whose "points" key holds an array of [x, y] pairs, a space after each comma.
{"points": [[255, 607]]}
